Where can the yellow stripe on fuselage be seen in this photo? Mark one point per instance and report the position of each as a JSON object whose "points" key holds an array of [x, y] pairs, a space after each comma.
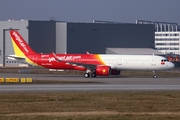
{"points": [[100, 58]]}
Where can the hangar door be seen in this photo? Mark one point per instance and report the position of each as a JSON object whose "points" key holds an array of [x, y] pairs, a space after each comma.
{"points": [[8, 49]]}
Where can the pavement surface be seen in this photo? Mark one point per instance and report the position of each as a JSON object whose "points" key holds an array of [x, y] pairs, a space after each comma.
{"points": [[114, 83]]}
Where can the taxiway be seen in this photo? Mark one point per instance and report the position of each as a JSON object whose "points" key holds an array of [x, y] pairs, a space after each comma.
{"points": [[104, 83]]}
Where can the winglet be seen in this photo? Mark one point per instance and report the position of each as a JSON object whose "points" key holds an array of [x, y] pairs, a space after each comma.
{"points": [[56, 57], [87, 52]]}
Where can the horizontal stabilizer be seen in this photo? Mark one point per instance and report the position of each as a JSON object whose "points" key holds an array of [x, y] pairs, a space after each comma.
{"points": [[14, 57]]}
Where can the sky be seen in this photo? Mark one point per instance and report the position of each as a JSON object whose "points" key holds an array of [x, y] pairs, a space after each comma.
{"points": [[126, 11]]}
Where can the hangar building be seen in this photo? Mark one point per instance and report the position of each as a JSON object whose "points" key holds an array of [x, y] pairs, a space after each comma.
{"points": [[73, 37], [167, 36]]}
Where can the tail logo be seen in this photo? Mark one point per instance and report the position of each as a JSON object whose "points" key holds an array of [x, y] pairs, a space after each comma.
{"points": [[17, 38]]}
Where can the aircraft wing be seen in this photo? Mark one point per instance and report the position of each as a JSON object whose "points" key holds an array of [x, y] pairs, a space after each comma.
{"points": [[74, 63], [81, 64]]}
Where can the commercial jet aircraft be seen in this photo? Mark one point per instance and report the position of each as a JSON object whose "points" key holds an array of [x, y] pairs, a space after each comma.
{"points": [[93, 64]]}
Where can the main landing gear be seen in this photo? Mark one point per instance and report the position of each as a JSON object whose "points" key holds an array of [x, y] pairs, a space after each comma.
{"points": [[89, 72], [86, 75], [154, 74]]}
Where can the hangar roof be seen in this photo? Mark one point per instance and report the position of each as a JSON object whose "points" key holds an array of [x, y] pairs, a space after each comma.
{"points": [[132, 51]]}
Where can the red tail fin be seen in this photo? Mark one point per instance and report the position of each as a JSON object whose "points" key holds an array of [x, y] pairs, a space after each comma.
{"points": [[19, 44]]}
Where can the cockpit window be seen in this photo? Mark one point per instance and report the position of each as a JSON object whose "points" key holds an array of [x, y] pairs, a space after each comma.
{"points": [[164, 60]]}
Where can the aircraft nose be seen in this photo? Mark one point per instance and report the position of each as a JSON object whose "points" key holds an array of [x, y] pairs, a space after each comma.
{"points": [[171, 65]]}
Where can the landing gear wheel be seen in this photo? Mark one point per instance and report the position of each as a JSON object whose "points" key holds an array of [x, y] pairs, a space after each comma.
{"points": [[86, 75], [93, 74], [154, 74]]}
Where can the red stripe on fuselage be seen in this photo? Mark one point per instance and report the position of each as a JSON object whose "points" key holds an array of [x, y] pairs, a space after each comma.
{"points": [[48, 60]]}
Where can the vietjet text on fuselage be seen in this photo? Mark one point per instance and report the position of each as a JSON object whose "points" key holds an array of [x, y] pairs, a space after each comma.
{"points": [[93, 64]]}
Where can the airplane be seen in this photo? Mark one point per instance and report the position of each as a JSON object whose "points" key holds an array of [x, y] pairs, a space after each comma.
{"points": [[93, 64]]}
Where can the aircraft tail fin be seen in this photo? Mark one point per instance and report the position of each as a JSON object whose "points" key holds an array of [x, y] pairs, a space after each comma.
{"points": [[20, 46]]}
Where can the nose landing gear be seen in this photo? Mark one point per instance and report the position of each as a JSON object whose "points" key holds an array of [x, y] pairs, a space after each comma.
{"points": [[154, 74]]}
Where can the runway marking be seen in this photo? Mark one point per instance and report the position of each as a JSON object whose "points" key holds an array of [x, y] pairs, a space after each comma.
{"points": [[1, 79], [23, 79], [29, 79], [15, 80], [12, 79]]}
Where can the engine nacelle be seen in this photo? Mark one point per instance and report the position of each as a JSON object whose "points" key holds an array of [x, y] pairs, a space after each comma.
{"points": [[115, 72], [103, 70]]}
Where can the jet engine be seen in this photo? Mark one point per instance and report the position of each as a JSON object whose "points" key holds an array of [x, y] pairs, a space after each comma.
{"points": [[103, 70], [106, 71]]}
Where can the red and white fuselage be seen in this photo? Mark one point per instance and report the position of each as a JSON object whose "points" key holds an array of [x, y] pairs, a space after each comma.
{"points": [[93, 64]]}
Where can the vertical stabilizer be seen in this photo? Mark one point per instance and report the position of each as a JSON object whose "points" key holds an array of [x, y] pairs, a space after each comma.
{"points": [[21, 48]]}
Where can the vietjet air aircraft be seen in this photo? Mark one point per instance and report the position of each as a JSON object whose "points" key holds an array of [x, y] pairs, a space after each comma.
{"points": [[93, 64]]}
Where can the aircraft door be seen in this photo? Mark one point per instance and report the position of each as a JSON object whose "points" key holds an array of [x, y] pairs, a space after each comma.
{"points": [[120, 61], [153, 61]]}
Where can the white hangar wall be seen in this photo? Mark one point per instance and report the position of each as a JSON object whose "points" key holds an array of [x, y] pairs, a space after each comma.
{"points": [[5, 41], [61, 37], [40, 35]]}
